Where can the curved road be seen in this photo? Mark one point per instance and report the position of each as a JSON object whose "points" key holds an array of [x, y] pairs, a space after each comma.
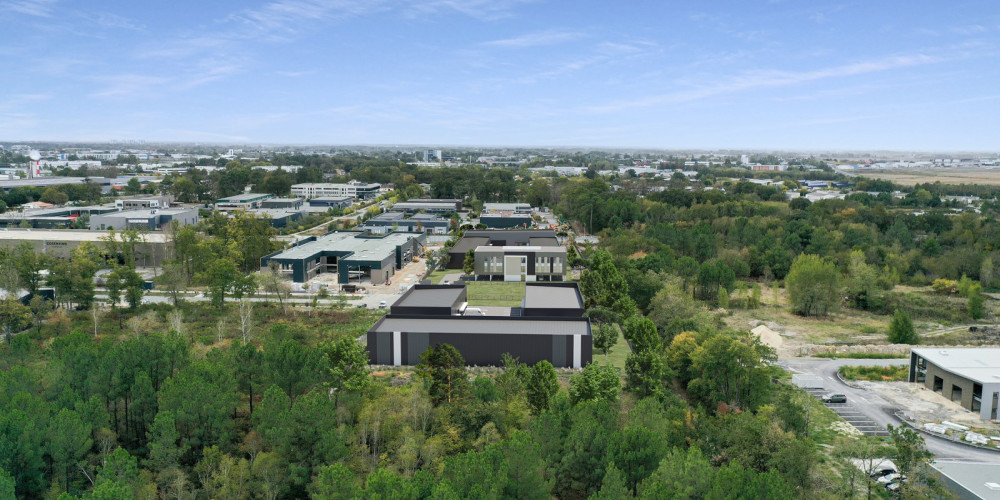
{"points": [[877, 408]]}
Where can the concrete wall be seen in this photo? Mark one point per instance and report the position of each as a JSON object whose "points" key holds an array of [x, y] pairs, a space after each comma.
{"points": [[950, 381]]}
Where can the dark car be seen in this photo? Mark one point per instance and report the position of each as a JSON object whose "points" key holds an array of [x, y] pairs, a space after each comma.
{"points": [[834, 398]]}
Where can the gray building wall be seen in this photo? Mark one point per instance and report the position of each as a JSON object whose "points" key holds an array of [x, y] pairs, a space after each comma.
{"points": [[949, 382]]}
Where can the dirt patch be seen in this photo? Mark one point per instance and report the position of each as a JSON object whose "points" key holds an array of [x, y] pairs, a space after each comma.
{"points": [[924, 405], [768, 336]]}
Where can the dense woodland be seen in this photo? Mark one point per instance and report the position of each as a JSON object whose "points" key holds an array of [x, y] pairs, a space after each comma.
{"points": [[96, 405]]}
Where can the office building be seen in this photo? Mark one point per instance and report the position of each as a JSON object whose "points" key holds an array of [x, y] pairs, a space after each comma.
{"points": [[153, 219], [353, 189], [549, 326], [492, 237]]}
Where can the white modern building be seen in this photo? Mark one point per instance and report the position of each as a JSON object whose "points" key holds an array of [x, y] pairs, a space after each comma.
{"points": [[967, 376], [353, 189]]}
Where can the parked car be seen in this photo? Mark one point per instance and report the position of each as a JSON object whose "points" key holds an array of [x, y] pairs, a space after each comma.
{"points": [[382, 305], [474, 311], [834, 398], [362, 306]]}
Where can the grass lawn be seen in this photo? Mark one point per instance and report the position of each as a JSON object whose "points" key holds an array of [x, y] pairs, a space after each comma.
{"points": [[495, 293], [439, 274], [616, 357]]}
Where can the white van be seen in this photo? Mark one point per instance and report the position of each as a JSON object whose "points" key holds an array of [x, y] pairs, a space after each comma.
{"points": [[474, 311]]}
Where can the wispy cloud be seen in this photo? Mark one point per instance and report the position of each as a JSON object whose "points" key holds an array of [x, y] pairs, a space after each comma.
{"points": [[766, 79], [112, 21], [285, 17], [540, 38], [37, 8], [486, 10], [128, 85]]}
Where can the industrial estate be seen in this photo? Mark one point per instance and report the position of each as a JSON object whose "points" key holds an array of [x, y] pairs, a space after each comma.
{"points": [[718, 300]]}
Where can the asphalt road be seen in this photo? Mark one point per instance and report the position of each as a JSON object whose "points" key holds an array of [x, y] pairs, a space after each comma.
{"points": [[877, 408]]}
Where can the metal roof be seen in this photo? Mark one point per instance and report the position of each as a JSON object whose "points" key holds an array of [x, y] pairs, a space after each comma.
{"points": [[980, 479], [244, 197], [349, 244], [981, 364], [483, 325], [147, 212], [552, 297]]}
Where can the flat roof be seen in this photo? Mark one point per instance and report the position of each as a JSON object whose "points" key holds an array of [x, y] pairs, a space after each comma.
{"points": [[69, 235], [552, 297], [348, 242], [147, 212], [522, 248], [244, 197], [333, 198], [437, 296], [981, 479], [482, 325], [543, 241], [285, 200], [468, 243], [274, 213], [338, 185], [981, 364], [50, 181]]}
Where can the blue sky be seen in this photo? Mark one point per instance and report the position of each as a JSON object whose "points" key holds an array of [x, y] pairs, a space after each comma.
{"points": [[796, 74]]}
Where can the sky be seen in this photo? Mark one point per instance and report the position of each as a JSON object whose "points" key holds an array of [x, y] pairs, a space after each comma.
{"points": [[919, 75]]}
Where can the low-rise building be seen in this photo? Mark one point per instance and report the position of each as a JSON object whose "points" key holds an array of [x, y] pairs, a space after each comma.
{"points": [[549, 326], [243, 201], [279, 217], [397, 221], [517, 208], [353, 189], [339, 202], [146, 219], [52, 218], [431, 206], [520, 263], [139, 203], [494, 237], [282, 203], [506, 220], [967, 376], [149, 252], [352, 255]]}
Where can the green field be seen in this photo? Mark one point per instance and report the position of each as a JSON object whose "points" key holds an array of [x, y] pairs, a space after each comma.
{"points": [[495, 293]]}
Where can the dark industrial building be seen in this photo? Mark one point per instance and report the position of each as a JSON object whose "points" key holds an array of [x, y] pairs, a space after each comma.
{"points": [[494, 237], [506, 220], [282, 203], [332, 202], [967, 376], [549, 326], [354, 256], [52, 218]]}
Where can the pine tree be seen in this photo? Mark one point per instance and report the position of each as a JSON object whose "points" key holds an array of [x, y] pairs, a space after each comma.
{"points": [[901, 329]]}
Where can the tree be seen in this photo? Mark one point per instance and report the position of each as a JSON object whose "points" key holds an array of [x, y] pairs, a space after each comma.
{"points": [[14, 317], [165, 448], [275, 284], [469, 264], [645, 373], [812, 284], [605, 338], [901, 329], [347, 364], [29, 265], [335, 482], [641, 333], [595, 383], [976, 302], [221, 276], [68, 440], [175, 280], [731, 369], [443, 368], [542, 386], [613, 486], [602, 284], [907, 449]]}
